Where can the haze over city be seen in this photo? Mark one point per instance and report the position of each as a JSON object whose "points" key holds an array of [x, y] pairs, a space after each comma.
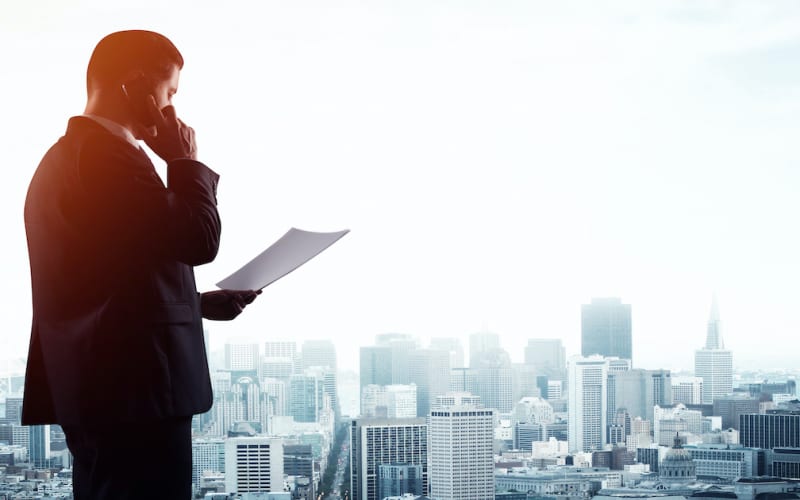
{"points": [[498, 164]]}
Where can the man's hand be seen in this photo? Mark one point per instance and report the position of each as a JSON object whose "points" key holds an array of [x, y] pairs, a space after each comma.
{"points": [[169, 138], [224, 305]]}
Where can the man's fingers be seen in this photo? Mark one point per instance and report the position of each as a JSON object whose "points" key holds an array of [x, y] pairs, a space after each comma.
{"points": [[170, 115]]}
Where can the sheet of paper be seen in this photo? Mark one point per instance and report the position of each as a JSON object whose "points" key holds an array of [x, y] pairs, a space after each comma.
{"points": [[291, 251]]}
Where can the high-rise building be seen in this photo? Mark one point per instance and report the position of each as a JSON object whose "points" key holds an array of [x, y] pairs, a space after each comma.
{"points": [[14, 410], [298, 460], [376, 442], [714, 364], [606, 328], [318, 353], [588, 397], [375, 365], [241, 356], [548, 356], [638, 391], [494, 379], [253, 465], [775, 429], [39, 445], [429, 369], [731, 406], [389, 401], [687, 390], [453, 346], [482, 342], [208, 455], [461, 448], [307, 396], [400, 345], [395, 480]]}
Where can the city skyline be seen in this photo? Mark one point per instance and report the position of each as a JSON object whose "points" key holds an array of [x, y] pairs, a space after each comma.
{"points": [[499, 165]]}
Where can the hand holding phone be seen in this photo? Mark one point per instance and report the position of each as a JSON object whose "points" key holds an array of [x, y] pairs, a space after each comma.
{"points": [[160, 128]]}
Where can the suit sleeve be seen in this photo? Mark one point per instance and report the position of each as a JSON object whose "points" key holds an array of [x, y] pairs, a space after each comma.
{"points": [[133, 210]]}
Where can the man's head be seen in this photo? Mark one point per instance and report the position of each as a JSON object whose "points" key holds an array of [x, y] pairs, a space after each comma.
{"points": [[125, 55]]}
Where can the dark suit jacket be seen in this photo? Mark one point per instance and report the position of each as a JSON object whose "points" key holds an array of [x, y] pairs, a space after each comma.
{"points": [[117, 329]]}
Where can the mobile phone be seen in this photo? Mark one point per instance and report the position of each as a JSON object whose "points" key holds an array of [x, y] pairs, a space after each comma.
{"points": [[138, 92]]}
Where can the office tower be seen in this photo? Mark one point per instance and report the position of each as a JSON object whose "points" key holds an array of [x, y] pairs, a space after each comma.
{"points": [[318, 353], [453, 346], [638, 391], [548, 356], [482, 342], [639, 435], [727, 462], [276, 394], [714, 364], [376, 442], [588, 398], [524, 382], [241, 356], [14, 410], [730, 407], [400, 345], [464, 380], [687, 390], [395, 480], [668, 421], [555, 390], [253, 465], [775, 429], [606, 328], [298, 460], [39, 445], [375, 365], [461, 448], [389, 401], [307, 398], [401, 401], [208, 455], [494, 379], [429, 369]]}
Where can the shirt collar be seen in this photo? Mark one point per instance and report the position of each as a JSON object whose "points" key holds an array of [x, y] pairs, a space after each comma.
{"points": [[115, 128]]}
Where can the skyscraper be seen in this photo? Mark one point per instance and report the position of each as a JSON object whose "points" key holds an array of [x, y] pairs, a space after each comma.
{"points": [[588, 396], [318, 353], [638, 391], [461, 448], [482, 342], [606, 328], [453, 346], [548, 356], [241, 356], [429, 369], [714, 364], [253, 464], [376, 442]]}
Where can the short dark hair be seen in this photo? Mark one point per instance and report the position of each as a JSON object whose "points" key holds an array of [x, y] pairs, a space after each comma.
{"points": [[119, 53]]}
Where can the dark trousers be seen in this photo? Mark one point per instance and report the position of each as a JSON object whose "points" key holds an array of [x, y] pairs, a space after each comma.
{"points": [[150, 460]]}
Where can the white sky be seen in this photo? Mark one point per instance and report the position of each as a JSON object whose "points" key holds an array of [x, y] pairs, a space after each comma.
{"points": [[499, 163]]}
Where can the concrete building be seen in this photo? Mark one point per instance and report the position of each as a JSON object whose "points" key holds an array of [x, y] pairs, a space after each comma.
{"points": [[461, 449], [588, 398], [687, 390], [253, 464], [375, 442], [713, 363], [548, 357], [606, 328]]}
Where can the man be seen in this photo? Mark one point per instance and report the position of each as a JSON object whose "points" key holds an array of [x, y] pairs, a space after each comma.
{"points": [[117, 356]]}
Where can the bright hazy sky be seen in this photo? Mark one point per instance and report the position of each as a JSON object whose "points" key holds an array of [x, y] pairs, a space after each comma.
{"points": [[499, 163]]}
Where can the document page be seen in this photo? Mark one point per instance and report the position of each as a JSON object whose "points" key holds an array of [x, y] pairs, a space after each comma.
{"points": [[291, 251]]}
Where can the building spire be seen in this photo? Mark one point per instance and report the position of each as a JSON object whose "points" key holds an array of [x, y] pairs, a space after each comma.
{"points": [[714, 333]]}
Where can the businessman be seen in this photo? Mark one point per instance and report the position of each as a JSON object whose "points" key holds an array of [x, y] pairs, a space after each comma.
{"points": [[116, 353]]}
